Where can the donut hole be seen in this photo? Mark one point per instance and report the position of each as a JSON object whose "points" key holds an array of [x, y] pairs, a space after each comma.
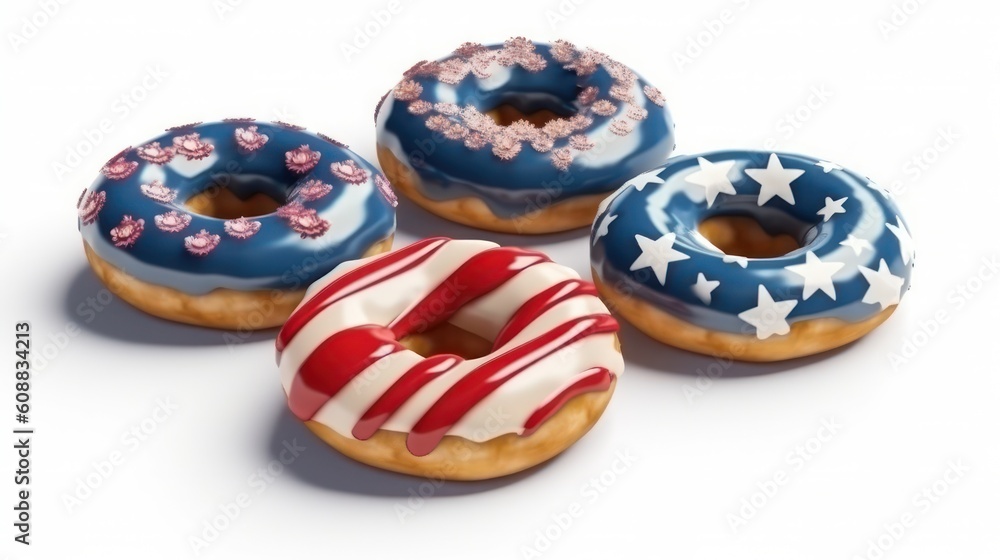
{"points": [[537, 109], [448, 339], [238, 196], [745, 236]]}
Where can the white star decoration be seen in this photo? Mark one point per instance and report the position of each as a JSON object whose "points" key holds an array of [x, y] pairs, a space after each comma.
{"points": [[818, 275], [769, 317], [657, 255], [775, 180], [905, 241], [832, 207], [602, 229], [704, 287], [742, 261], [883, 287], [714, 177], [828, 166], [857, 244], [640, 181]]}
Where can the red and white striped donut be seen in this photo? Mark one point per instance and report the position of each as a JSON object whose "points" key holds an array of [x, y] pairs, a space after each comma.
{"points": [[549, 372]]}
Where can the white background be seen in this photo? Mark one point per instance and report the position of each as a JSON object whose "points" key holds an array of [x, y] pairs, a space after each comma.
{"points": [[701, 443]]}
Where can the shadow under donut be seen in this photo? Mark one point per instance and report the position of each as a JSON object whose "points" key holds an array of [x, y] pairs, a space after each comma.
{"points": [[324, 467], [93, 308], [640, 349]]}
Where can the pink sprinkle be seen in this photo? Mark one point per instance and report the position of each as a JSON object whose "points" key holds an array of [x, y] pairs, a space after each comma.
{"points": [[201, 243], [301, 159], [249, 139], [127, 232], [172, 222], [242, 228], [153, 153], [192, 147], [90, 205], [349, 171]]}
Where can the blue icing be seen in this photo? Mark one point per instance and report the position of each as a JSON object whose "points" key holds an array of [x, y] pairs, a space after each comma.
{"points": [[276, 256], [678, 206], [449, 170]]}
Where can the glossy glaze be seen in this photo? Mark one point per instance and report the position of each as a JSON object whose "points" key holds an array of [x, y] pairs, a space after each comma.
{"points": [[329, 215], [856, 256], [343, 364], [530, 171]]}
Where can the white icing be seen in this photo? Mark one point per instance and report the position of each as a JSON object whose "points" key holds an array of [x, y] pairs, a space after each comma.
{"points": [[503, 411], [499, 76], [194, 283], [446, 93], [347, 215], [152, 173]]}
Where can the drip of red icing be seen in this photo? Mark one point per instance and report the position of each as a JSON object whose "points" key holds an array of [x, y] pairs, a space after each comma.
{"points": [[365, 276], [540, 303], [478, 276], [597, 379], [344, 355], [400, 391], [337, 361], [480, 382]]}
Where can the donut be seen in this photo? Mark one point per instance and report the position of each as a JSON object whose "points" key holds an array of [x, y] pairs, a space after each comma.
{"points": [[751, 255], [521, 137], [450, 359], [225, 224]]}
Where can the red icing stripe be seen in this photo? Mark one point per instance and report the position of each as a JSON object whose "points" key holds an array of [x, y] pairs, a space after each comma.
{"points": [[401, 391], [344, 355], [477, 277], [534, 307], [371, 273], [599, 380], [337, 361], [480, 382]]}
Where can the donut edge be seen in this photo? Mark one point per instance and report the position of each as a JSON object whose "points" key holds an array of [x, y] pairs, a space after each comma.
{"points": [[573, 213], [221, 308], [458, 458], [805, 339]]}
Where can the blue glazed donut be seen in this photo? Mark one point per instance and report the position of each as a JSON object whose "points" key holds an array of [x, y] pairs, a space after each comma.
{"points": [[521, 137], [224, 224], [834, 254]]}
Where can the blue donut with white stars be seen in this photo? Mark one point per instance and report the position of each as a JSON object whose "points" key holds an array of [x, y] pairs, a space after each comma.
{"points": [[846, 272], [225, 224], [520, 137]]}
